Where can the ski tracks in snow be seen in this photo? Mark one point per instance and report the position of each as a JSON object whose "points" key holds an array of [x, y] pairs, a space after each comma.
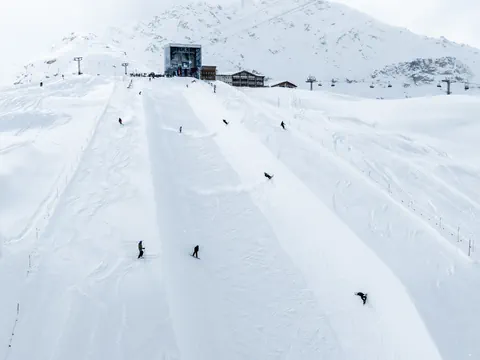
{"points": [[295, 213], [89, 292], [244, 299]]}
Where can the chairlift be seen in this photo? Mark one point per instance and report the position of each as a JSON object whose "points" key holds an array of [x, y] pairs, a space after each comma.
{"points": [[439, 85], [319, 84], [333, 84], [372, 86], [389, 85], [467, 87]]}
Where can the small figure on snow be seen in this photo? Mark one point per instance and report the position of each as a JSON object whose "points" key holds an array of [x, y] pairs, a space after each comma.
{"points": [[268, 176], [362, 296], [140, 249], [180, 130], [41, 83], [282, 124], [195, 251], [225, 122], [215, 89], [120, 121], [140, 93]]}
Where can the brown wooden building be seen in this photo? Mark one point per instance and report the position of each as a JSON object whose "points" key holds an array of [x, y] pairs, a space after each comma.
{"points": [[285, 84], [242, 79], [247, 79], [208, 73]]}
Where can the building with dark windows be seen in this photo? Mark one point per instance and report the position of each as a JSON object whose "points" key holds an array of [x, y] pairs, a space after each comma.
{"points": [[242, 79], [183, 60], [208, 73]]}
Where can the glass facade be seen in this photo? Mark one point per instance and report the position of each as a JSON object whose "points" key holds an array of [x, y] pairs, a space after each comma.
{"points": [[183, 60]]}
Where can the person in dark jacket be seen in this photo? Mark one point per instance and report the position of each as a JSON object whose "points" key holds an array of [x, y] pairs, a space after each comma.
{"points": [[140, 249], [282, 124], [120, 121], [362, 296], [195, 251]]}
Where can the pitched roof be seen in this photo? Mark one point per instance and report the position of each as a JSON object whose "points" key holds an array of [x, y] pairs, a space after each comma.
{"points": [[278, 83]]}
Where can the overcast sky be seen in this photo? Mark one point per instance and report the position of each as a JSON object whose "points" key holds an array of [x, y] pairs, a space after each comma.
{"points": [[30, 27]]}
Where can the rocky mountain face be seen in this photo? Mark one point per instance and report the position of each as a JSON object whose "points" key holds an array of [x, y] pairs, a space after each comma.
{"points": [[426, 71]]}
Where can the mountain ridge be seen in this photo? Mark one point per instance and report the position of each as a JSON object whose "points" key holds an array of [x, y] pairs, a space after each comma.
{"points": [[279, 39]]}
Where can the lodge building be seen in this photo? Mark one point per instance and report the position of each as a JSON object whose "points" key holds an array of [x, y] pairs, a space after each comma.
{"points": [[242, 79]]}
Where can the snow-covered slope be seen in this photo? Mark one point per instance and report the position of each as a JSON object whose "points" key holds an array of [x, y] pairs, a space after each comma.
{"points": [[367, 195], [282, 39], [98, 58]]}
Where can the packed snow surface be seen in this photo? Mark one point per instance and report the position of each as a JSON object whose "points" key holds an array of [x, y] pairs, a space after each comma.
{"points": [[379, 196]]}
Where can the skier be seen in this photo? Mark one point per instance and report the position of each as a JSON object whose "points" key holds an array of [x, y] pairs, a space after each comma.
{"points": [[362, 296], [140, 93], [215, 89], [225, 122], [195, 251], [41, 83], [140, 249], [180, 129], [120, 121], [282, 124], [268, 176]]}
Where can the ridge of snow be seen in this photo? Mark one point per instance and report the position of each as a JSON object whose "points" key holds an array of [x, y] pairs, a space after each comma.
{"points": [[281, 39]]}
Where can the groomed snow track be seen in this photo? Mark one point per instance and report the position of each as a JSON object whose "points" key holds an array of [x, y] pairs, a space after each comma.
{"points": [[279, 264]]}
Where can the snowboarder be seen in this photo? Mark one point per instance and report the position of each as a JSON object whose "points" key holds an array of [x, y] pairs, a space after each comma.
{"points": [[195, 251], [225, 122], [181, 127], [282, 124], [362, 296], [120, 121], [140, 249], [268, 176]]}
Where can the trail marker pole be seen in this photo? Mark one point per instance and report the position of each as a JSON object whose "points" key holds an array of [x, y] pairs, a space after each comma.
{"points": [[125, 65], [78, 59]]}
